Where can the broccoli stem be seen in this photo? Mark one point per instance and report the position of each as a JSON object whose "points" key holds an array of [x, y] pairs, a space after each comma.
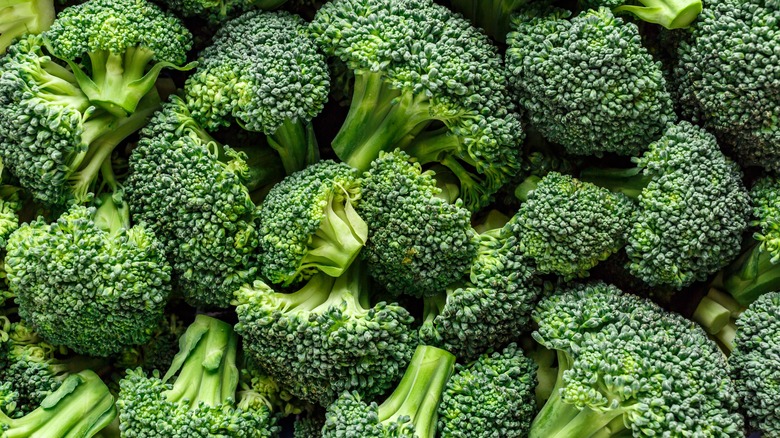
{"points": [[493, 15], [23, 16], [753, 274], [671, 14], [419, 392], [630, 182], [315, 292], [711, 315], [526, 187], [296, 144], [110, 216], [348, 292]]}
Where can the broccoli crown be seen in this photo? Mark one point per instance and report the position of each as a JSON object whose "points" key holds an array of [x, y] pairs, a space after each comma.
{"points": [[425, 81], [197, 395], [755, 363], [409, 412], [625, 363], [309, 426], [89, 281], [728, 80], [22, 17], [492, 397], [308, 224], [350, 345], [588, 83], [219, 10], [191, 193], [490, 306], [568, 226], [418, 243]]}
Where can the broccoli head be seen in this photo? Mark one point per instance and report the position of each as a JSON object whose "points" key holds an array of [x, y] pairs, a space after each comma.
{"points": [[671, 14], [23, 16], [220, 10]]}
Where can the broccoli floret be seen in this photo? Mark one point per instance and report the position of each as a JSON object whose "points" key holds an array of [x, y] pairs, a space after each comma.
{"points": [[308, 224], [692, 207], [264, 72], [197, 396], [220, 10], [158, 352], [427, 82], [349, 344], [51, 137], [195, 195], [492, 397], [409, 412], [417, 243], [755, 364], [257, 388], [90, 281], [588, 83], [568, 226], [10, 205], [671, 14], [19, 17], [309, 426], [81, 407], [727, 77], [110, 43], [629, 368], [492, 16]]}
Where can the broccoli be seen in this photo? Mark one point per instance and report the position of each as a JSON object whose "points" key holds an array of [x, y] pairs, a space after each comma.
{"points": [[409, 412], [81, 407], [671, 14], [257, 388], [427, 82], [264, 71], [326, 337], [491, 16], [90, 281], [492, 397], [195, 194], [219, 11], [19, 17], [158, 352], [568, 226], [309, 426], [417, 243], [629, 368], [51, 137], [308, 224], [110, 43], [727, 77], [755, 364], [197, 395], [692, 207], [588, 83]]}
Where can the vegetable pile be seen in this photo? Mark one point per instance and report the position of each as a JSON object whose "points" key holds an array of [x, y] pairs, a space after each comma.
{"points": [[389, 218]]}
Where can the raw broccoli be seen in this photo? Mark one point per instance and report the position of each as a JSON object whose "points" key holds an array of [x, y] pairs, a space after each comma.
{"points": [[588, 83], [256, 387], [417, 243], [264, 72], [220, 10], [492, 16], [117, 48], [90, 281], [197, 396], [755, 364], [158, 352], [692, 207], [568, 226], [629, 368], [308, 224], [19, 17], [671, 14], [81, 407], [195, 195], [349, 344], [492, 397], [427, 82], [309, 426], [409, 412], [727, 77], [51, 137]]}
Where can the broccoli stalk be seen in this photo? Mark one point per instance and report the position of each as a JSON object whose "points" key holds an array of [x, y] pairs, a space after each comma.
{"points": [[493, 15], [753, 274], [671, 14], [23, 16], [629, 182]]}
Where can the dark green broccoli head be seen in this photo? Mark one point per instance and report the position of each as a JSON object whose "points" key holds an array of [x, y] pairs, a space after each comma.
{"points": [[350, 345], [629, 368], [755, 363], [671, 14], [588, 83], [117, 48], [219, 10], [418, 243], [492, 397], [308, 224], [728, 78], [568, 226], [22, 17], [309, 426], [89, 281]]}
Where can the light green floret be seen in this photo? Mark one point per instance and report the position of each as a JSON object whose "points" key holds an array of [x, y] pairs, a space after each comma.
{"points": [[492, 397], [10, 204], [588, 83], [671, 14], [90, 281], [308, 224], [197, 396], [411, 410], [627, 368], [692, 207], [19, 17], [216, 11], [755, 363], [264, 72], [117, 48]]}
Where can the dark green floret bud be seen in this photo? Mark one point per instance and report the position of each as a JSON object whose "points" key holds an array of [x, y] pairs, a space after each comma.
{"points": [[217, 11]]}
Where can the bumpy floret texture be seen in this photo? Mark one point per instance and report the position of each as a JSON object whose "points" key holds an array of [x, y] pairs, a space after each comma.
{"points": [[219, 10], [588, 83], [355, 417], [765, 199]]}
